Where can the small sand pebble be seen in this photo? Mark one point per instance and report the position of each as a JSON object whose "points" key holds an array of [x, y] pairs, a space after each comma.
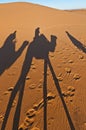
{"points": [[6, 92], [81, 57], [60, 74], [32, 86], [33, 67], [70, 99], [30, 113], [32, 63], [28, 121], [71, 88], [64, 94], [70, 61], [35, 128], [71, 94], [73, 53], [22, 127], [64, 57], [10, 89], [1, 118], [50, 96], [41, 81], [35, 106], [76, 76], [40, 85], [68, 93], [60, 78], [14, 103], [28, 77], [68, 70]]}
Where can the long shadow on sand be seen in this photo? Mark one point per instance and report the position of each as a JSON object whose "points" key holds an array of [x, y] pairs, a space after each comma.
{"points": [[38, 48], [76, 42], [60, 95], [8, 55]]}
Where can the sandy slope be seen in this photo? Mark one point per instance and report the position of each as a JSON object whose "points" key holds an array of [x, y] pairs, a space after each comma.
{"points": [[68, 62]]}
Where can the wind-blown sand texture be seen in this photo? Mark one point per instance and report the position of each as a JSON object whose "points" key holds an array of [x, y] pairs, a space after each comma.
{"points": [[37, 93]]}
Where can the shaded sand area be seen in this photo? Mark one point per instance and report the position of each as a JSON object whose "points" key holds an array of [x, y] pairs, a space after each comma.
{"points": [[42, 80]]}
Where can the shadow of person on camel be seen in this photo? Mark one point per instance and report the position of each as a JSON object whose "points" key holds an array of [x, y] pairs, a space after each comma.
{"points": [[8, 54]]}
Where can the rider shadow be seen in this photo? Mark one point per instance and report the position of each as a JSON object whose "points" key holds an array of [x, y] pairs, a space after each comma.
{"points": [[76, 42], [8, 55], [38, 48]]}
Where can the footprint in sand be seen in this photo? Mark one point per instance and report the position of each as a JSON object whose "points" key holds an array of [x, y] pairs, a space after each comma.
{"points": [[32, 86], [6, 93], [81, 57], [27, 124], [76, 76], [28, 77], [69, 93], [10, 89], [68, 70], [60, 79], [31, 113], [33, 67], [1, 118], [70, 61], [14, 103]]}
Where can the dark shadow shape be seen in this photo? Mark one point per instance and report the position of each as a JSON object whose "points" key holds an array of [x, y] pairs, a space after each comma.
{"points": [[60, 94], [76, 42], [19, 87], [45, 94], [8, 55], [38, 48]]}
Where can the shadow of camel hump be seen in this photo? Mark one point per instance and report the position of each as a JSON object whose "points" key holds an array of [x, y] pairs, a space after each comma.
{"points": [[8, 55], [76, 42]]}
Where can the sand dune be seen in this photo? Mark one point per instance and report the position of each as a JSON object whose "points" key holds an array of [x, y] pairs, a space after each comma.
{"points": [[39, 92]]}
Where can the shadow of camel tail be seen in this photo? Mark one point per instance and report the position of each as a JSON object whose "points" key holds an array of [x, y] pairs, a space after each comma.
{"points": [[61, 97]]}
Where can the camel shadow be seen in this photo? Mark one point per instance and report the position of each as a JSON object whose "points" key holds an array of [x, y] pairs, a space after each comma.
{"points": [[76, 42], [8, 55], [38, 48]]}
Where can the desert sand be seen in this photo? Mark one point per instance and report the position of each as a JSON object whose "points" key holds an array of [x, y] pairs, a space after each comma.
{"points": [[39, 92]]}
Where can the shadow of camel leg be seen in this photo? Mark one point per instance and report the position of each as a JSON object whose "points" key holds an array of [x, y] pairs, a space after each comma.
{"points": [[45, 94], [60, 94], [12, 97], [18, 108], [18, 87]]}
